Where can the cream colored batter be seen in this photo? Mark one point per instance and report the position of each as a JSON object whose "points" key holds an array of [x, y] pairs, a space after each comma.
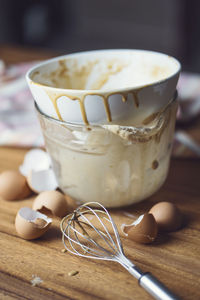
{"points": [[113, 165]]}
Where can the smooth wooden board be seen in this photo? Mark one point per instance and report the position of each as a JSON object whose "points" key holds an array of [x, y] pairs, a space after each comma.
{"points": [[173, 258]]}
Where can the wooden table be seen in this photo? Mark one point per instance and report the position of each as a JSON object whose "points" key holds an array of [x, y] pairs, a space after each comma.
{"points": [[173, 258]]}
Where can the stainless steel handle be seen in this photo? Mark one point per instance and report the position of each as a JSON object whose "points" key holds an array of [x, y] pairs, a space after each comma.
{"points": [[155, 288], [147, 281]]}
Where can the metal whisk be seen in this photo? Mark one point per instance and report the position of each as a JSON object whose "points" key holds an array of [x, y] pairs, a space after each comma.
{"points": [[87, 233]]}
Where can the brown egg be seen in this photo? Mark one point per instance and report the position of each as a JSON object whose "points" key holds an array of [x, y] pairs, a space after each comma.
{"points": [[167, 216], [13, 186], [31, 224], [53, 201], [143, 230]]}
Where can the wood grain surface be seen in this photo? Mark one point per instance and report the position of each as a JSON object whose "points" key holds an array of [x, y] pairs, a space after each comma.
{"points": [[174, 258]]}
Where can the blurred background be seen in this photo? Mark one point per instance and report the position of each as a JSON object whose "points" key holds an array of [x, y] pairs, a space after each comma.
{"points": [[65, 26]]}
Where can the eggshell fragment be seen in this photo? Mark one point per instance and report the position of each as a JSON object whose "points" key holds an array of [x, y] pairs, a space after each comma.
{"points": [[35, 159], [13, 186], [31, 224], [167, 216], [144, 230], [40, 181], [54, 201]]}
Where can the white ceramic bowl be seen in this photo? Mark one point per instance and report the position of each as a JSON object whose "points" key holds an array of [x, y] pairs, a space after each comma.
{"points": [[104, 86]]}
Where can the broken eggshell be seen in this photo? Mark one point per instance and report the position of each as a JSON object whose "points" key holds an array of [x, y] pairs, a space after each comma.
{"points": [[35, 159], [52, 201], [144, 230], [167, 216], [13, 186], [31, 224], [40, 181]]}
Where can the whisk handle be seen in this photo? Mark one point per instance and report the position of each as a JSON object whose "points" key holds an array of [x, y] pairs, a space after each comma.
{"points": [[155, 288]]}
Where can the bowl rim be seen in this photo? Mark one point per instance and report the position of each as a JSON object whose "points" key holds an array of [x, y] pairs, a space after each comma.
{"points": [[104, 126], [98, 91]]}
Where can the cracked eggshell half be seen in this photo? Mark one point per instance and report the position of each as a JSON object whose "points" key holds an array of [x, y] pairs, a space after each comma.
{"points": [[40, 181], [144, 230], [167, 216], [13, 186], [52, 201], [36, 160], [31, 224], [104, 82]]}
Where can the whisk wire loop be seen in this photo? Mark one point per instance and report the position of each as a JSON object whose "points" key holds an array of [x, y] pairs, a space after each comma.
{"points": [[116, 233], [87, 237], [73, 236], [106, 230], [77, 241]]}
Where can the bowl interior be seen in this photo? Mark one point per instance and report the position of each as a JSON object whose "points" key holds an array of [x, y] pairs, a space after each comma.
{"points": [[105, 70]]}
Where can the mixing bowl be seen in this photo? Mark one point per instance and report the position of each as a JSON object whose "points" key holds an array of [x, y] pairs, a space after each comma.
{"points": [[108, 121], [96, 87]]}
